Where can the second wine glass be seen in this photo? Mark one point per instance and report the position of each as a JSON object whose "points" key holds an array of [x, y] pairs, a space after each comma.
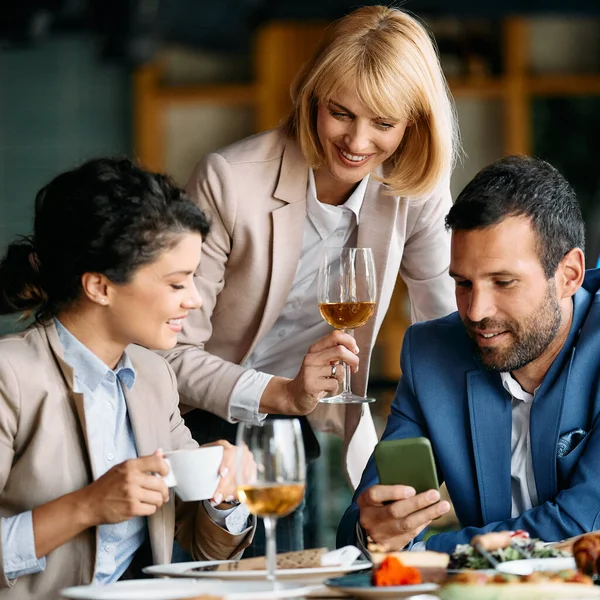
{"points": [[347, 296], [273, 485]]}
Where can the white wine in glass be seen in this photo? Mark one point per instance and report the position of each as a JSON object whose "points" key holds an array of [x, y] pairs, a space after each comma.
{"points": [[347, 298], [275, 487]]}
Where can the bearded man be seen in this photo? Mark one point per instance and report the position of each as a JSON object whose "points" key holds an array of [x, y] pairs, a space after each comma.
{"points": [[508, 388]]}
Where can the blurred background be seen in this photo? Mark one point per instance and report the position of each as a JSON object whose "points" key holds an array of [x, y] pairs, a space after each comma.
{"points": [[167, 81]]}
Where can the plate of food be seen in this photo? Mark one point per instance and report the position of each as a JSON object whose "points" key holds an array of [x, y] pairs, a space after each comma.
{"points": [[390, 578], [501, 547], [563, 585], [198, 570]]}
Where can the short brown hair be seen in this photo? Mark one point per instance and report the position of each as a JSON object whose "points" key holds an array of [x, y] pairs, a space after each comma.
{"points": [[390, 59]]}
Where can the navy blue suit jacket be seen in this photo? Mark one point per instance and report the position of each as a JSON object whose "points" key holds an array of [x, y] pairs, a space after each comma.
{"points": [[446, 395]]}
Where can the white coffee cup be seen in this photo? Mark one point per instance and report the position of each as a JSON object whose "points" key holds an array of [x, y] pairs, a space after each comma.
{"points": [[194, 473]]}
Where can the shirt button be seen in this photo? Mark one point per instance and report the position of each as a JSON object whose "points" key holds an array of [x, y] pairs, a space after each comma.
{"points": [[341, 234], [107, 548], [282, 333], [110, 456]]}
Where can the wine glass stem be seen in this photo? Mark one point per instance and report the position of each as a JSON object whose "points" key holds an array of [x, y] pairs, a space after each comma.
{"points": [[270, 525], [347, 373]]}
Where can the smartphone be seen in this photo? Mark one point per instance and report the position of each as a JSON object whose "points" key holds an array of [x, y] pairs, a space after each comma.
{"points": [[407, 462]]}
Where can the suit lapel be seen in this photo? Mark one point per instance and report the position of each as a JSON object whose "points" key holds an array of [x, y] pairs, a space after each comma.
{"points": [[491, 425], [76, 399], [288, 231], [142, 420], [548, 407], [376, 209], [147, 441]]}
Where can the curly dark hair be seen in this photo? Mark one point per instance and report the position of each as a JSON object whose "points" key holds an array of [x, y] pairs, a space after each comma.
{"points": [[524, 186], [107, 216]]}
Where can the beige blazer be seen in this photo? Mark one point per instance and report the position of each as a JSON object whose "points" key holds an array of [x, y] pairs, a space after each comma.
{"points": [[255, 193], [45, 454]]}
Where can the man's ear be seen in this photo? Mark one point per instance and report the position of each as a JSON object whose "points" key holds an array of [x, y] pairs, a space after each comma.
{"points": [[570, 273], [95, 288]]}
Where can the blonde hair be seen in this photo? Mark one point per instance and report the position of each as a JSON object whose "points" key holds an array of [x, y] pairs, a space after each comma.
{"points": [[389, 58]]}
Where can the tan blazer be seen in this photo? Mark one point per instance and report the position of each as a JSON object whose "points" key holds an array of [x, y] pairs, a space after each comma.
{"points": [[45, 454], [255, 193]]}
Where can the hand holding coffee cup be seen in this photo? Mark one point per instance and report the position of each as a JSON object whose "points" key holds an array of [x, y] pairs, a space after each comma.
{"points": [[227, 488]]}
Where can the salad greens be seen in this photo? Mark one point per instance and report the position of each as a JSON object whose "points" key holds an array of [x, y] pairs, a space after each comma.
{"points": [[467, 557]]}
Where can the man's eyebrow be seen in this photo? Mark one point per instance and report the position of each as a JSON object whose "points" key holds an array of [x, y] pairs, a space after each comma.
{"points": [[455, 275], [492, 274], [501, 274]]}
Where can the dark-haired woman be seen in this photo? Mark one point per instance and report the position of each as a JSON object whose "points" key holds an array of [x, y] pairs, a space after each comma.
{"points": [[85, 409]]}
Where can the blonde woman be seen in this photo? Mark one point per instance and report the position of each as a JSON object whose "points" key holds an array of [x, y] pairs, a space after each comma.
{"points": [[363, 159]]}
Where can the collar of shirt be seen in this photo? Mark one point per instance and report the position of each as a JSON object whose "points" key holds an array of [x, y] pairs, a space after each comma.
{"points": [[87, 367], [512, 386], [326, 217]]}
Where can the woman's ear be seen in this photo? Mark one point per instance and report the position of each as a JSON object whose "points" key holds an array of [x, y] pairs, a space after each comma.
{"points": [[570, 273], [95, 288]]}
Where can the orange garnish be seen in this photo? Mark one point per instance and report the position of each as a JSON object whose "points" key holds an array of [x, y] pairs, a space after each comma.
{"points": [[392, 572]]}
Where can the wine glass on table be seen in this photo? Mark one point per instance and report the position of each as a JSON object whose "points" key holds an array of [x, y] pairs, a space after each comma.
{"points": [[347, 294], [274, 485]]}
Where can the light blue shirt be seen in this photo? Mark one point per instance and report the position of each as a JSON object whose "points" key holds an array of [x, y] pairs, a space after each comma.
{"points": [[111, 442]]}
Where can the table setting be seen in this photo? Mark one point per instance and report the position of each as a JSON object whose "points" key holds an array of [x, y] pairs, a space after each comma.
{"points": [[494, 566]]}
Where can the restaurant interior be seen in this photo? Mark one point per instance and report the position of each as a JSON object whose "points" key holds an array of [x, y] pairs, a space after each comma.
{"points": [[168, 81]]}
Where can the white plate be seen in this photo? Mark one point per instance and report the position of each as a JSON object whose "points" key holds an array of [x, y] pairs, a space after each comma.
{"points": [[529, 565], [414, 592], [309, 574], [178, 589], [359, 586]]}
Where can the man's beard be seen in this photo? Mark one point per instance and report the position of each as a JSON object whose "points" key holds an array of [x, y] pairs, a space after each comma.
{"points": [[531, 336]]}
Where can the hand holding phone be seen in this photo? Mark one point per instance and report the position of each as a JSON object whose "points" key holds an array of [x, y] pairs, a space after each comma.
{"points": [[391, 513]]}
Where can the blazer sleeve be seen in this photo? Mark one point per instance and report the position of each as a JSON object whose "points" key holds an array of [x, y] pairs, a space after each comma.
{"points": [[206, 381], [9, 419], [195, 531], [426, 258], [405, 421]]}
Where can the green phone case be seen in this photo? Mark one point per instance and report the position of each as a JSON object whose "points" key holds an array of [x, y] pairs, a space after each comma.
{"points": [[407, 462]]}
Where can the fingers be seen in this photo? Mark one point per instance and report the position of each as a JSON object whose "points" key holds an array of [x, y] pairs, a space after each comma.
{"points": [[378, 495], [154, 463], [335, 338], [420, 518], [229, 456], [329, 356], [156, 485], [402, 509], [155, 498], [227, 471]]}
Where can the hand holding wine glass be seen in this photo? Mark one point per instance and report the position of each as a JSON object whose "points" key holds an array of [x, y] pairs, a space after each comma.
{"points": [[276, 486], [347, 294]]}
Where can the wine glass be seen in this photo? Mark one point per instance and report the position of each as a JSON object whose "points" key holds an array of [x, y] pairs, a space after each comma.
{"points": [[347, 292], [275, 487]]}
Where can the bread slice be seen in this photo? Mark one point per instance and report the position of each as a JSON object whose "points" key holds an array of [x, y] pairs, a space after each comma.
{"points": [[427, 558]]}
